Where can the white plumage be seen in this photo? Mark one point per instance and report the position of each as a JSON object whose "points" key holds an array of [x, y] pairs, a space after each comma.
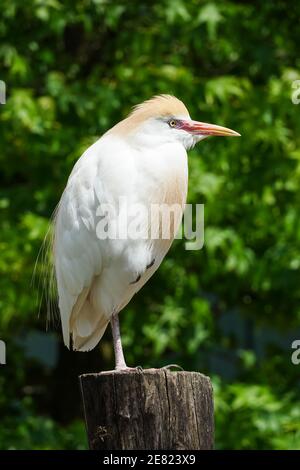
{"points": [[142, 160]]}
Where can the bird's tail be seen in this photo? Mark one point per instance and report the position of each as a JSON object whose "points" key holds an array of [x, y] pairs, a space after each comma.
{"points": [[87, 326]]}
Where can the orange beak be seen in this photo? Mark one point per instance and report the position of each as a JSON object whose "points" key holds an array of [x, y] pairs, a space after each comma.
{"points": [[202, 128]]}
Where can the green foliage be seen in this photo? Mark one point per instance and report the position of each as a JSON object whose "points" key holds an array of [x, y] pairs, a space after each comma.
{"points": [[25, 430], [264, 421], [72, 70]]}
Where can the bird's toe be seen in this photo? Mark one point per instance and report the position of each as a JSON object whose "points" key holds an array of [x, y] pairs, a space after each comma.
{"points": [[172, 366]]}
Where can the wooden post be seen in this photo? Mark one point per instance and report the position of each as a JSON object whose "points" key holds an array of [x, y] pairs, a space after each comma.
{"points": [[153, 409]]}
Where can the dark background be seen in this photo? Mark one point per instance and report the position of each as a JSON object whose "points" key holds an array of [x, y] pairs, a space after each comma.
{"points": [[231, 310]]}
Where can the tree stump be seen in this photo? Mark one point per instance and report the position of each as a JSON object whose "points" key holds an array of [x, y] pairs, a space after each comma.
{"points": [[153, 409]]}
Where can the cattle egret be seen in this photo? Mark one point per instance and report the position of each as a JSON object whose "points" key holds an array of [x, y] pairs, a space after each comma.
{"points": [[141, 160]]}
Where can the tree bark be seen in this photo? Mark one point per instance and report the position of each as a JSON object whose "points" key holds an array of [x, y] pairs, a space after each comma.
{"points": [[153, 409]]}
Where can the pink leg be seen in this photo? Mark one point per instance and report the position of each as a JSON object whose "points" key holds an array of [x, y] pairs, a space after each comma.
{"points": [[119, 356]]}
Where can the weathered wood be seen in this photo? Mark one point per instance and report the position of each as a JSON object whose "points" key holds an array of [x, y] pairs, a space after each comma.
{"points": [[150, 409]]}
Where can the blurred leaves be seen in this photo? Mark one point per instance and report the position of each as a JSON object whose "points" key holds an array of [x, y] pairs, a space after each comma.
{"points": [[263, 419]]}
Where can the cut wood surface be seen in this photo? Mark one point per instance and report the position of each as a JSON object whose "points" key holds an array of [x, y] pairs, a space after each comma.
{"points": [[152, 409]]}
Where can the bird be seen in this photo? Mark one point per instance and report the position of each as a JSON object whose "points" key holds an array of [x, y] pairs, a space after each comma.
{"points": [[142, 160]]}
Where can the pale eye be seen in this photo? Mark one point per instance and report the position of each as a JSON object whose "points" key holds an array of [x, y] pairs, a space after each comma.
{"points": [[172, 123]]}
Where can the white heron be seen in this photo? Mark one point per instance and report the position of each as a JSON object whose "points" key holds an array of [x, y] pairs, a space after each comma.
{"points": [[142, 159]]}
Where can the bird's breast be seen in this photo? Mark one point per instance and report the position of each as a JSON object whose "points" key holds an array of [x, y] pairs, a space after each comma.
{"points": [[164, 174]]}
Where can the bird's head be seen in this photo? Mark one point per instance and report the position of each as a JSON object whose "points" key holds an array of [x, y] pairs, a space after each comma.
{"points": [[165, 119]]}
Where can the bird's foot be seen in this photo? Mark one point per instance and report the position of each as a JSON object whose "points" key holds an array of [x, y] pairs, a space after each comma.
{"points": [[172, 366], [124, 368]]}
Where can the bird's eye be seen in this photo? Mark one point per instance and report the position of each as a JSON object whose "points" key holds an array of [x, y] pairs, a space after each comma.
{"points": [[172, 123]]}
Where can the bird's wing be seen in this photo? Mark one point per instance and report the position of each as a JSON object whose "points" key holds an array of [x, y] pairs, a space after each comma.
{"points": [[92, 274], [77, 251]]}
